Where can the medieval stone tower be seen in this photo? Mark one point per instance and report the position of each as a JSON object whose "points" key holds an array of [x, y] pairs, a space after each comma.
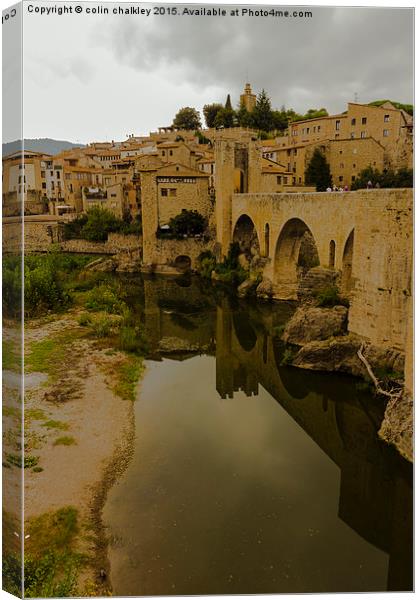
{"points": [[248, 99], [238, 171]]}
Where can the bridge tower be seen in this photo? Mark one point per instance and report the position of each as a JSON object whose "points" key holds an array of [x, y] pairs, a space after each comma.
{"points": [[238, 171]]}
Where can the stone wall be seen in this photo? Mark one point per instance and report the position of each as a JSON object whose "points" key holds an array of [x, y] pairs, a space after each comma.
{"points": [[166, 253], [40, 233]]}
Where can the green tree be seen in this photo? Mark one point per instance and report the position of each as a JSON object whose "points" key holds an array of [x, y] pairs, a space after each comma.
{"points": [[318, 171], [187, 118], [188, 222], [225, 118], [262, 114], [228, 104], [385, 179], [210, 112], [244, 116], [280, 120]]}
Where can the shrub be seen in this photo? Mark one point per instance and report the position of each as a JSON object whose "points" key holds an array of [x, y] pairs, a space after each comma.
{"points": [[328, 297], [131, 339], [188, 222], [288, 357], [105, 297], [85, 319], [102, 327]]}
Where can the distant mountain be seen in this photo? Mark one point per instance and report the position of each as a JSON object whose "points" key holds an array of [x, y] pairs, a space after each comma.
{"points": [[46, 145]]}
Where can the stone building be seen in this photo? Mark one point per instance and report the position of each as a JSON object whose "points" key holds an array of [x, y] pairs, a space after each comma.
{"points": [[248, 99], [25, 177]]}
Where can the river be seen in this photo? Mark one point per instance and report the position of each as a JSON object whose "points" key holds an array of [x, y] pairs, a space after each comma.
{"points": [[248, 475]]}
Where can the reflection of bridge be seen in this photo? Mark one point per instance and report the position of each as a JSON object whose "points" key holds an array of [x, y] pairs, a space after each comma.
{"points": [[374, 496], [372, 501]]}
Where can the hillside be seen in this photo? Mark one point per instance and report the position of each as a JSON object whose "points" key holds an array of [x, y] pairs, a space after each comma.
{"points": [[47, 145]]}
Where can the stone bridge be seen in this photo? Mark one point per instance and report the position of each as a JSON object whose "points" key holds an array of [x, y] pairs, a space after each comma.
{"points": [[366, 236]]}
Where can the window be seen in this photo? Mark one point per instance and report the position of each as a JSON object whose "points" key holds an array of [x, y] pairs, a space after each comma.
{"points": [[364, 120], [353, 177], [43, 174], [353, 122], [278, 179], [44, 185], [386, 132], [113, 195], [52, 173], [285, 180], [295, 152], [57, 174], [319, 127], [337, 125], [386, 118], [337, 135], [340, 178], [288, 166], [163, 152], [288, 152], [307, 130], [294, 180], [340, 152], [363, 134], [172, 192], [352, 135], [300, 179], [354, 165], [163, 192], [170, 152]]}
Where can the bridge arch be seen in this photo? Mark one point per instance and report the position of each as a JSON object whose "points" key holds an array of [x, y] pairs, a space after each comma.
{"points": [[296, 252], [245, 233], [347, 281], [182, 263]]}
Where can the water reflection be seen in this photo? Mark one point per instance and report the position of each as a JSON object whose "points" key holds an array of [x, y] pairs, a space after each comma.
{"points": [[250, 476]]}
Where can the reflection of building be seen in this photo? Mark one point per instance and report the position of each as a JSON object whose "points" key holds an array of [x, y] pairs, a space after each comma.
{"points": [[375, 485]]}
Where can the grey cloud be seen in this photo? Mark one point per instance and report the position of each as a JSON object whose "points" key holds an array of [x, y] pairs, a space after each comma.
{"points": [[300, 62]]}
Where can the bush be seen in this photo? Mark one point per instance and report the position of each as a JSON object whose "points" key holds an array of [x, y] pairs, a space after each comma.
{"points": [[104, 297], [102, 327], [386, 179], [84, 320], [131, 339], [189, 223], [97, 222], [330, 297]]}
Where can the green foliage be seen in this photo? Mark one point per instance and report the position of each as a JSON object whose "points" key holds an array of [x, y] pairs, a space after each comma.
{"points": [[385, 179], [84, 319], [187, 118], [127, 377], [188, 223], [12, 285], [132, 339], [312, 113], [409, 108], [329, 297], [12, 574], [262, 113], [105, 297], [51, 564], [16, 460], [11, 358], [202, 138], [318, 171], [37, 470], [288, 357], [210, 112], [102, 327], [244, 117], [65, 440], [52, 424]]}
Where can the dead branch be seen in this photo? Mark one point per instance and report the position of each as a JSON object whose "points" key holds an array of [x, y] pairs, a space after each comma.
{"points": [[393, 394]]}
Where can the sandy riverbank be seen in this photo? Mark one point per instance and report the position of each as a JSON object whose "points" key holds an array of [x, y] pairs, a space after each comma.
{"points": [[79, 435]]}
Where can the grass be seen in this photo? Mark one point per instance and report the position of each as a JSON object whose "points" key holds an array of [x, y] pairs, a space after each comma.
{"points": [[12, 360], [288, 357], [35, 414], [48, 355], [52, 561], [16, 460], [52, 424], [329, 297], [11, 411], [65, 440], [127, 375], [85, 319]]}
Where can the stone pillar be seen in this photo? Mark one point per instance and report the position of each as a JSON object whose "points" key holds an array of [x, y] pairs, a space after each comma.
{"points": [[224, 185], [150, 215]]}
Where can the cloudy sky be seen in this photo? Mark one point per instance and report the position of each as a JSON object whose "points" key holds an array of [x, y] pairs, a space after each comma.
{"points": [[90, 77]]}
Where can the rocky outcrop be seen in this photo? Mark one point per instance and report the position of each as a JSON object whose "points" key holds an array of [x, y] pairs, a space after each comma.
{"points": [[265, 289], [103, 265], [316, 280], [334, 354], [129, 262], [312, 324], [246, 287], [173, 345], [397, 426]]}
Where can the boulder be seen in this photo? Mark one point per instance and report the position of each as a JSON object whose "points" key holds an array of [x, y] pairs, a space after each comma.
{"points": [[243, 262], [103, 265], [246, 287], [309, 324], [335, 354], [316, 280], [265, 289], [397, 426]]}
